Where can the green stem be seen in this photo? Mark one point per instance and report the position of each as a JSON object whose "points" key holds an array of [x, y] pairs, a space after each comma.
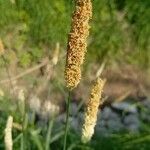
{"points": [[67, 120], [24, 125], [23, 132]]}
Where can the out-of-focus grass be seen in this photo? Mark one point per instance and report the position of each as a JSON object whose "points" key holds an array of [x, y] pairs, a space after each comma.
{"points": [[48, 137], [30, 28], [119, 29]]}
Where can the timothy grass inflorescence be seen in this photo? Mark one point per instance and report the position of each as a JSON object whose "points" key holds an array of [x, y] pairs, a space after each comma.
{"points": [[8, 134], [92, 110], [77, 42]]}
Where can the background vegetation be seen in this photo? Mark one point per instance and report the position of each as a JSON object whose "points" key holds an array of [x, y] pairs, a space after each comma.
{"points": [[30, 29], [119, 29]]}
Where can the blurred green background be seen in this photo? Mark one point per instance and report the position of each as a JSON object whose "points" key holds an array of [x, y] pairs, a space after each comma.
{"points": [[119, 34], [120, 29]]}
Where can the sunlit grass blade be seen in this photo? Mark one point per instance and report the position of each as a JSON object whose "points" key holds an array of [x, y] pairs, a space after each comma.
{"points": [[56, 137], [36, 139], [48, 136]]}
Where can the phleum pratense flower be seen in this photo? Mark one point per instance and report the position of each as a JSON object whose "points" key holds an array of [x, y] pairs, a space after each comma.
{"points": [[77, 42], [92, 110], [8, 134]]}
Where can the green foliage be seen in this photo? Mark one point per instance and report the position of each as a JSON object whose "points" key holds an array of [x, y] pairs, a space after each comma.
{"points": [[36, 53], [7, 13], [47, 19], [138, 16], [25, 59], [51, 136], [30, 56], [48, 22], [106, 36]]}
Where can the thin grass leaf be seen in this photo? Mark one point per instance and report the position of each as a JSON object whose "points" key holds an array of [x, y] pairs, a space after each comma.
{"points": [[80, 105], [17, 138], [36, 139], [48, 136], [72, 146], [22, 143], [56, 137], [138, 140]]}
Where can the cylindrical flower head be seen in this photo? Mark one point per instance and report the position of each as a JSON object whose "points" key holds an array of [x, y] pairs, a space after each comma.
{"points": [[8, 134], [72, 76], [92, 110], [1, 48], [77, 42]]}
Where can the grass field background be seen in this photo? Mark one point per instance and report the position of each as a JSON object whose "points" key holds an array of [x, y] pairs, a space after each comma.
{"points": [[32, 29]]}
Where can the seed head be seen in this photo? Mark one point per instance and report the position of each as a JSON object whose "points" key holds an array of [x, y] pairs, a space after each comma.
{"points": [[72, 76], [77, 42], [8, 134], [92, 110]]}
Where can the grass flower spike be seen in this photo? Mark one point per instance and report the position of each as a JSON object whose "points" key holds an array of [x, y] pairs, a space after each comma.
{"points": [[77, 42], [92, 110], [8, 134]]}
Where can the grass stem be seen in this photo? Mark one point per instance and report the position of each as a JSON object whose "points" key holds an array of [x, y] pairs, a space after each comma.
{"points": [[67, 120]]}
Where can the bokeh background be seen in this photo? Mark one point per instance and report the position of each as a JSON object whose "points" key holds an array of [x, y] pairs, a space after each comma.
{"points": [[34, 34]]}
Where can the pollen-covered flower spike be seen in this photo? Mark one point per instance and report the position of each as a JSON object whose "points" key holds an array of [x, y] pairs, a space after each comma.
{"points": [[92, 110], [77, 42], [8, 134]]}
